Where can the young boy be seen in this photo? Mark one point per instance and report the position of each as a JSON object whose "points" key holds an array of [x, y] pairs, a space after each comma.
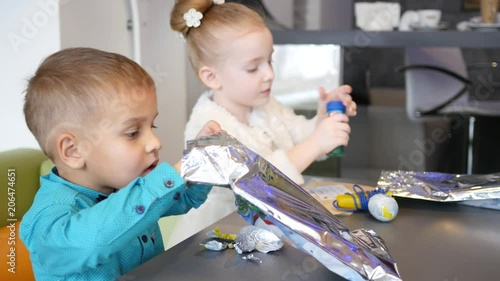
{"points": [[95, 215]]}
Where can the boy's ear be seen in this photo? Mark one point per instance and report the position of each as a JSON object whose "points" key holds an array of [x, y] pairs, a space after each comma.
{"points": [[209, 77], [69, 151]]}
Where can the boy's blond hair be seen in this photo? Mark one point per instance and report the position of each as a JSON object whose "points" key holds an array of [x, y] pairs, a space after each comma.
{"points": [[73, 86], [203, 42]]}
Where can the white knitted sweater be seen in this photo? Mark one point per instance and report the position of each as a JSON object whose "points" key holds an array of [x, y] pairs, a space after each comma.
{"points": [[273, 129]]}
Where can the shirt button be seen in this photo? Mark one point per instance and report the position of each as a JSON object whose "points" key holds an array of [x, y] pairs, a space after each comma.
{"points": [[139, 209], [177, 196], [144, 238], [169, 183]]}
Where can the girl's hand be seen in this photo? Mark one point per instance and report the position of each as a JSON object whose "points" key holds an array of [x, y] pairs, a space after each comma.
{"points": [[342, 93], [210, 128], [330, 133]]}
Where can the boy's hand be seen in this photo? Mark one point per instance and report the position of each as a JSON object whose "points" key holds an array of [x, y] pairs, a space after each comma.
{"points": [[211, 127], [342, 93]]}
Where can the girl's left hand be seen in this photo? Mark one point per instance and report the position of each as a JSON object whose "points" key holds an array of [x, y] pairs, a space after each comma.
{"points": [[342, 93], [210, 128]]}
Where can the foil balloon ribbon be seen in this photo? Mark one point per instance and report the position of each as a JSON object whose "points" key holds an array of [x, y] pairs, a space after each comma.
{"points": [[265, 194]]}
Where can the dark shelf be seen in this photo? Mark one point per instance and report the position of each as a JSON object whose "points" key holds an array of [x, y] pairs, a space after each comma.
{"points": [[362, 39]]}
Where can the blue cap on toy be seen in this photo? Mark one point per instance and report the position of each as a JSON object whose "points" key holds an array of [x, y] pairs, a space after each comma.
{"points": [[335, 106]]}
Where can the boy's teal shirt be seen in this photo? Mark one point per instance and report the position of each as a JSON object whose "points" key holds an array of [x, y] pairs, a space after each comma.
{"points": [[75, 233]]}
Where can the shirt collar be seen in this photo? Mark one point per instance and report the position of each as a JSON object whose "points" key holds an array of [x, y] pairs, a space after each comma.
{"points": [[95, 196]]}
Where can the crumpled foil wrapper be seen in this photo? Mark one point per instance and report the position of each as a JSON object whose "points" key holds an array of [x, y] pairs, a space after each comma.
{"points": [[441, 187], [215, 245], [265, 195], [254, 238]]}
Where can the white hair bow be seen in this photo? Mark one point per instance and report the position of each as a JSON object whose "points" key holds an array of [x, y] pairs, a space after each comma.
{"points": [[193, 18]]}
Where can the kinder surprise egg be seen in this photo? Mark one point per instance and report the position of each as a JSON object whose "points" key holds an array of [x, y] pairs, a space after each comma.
{"points": [[383, 207]]}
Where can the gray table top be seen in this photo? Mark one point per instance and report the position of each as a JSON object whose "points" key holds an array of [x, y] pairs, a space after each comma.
{"points": [[430, 241]]}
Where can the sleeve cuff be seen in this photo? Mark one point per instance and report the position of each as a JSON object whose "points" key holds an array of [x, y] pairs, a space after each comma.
{"points": [[162, 181]]}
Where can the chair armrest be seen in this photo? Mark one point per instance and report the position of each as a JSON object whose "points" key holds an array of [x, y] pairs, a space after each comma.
{"points": [[26, 181]]}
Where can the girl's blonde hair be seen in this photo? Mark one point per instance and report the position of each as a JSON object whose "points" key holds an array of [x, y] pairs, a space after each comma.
{"points": [[203, 41]]}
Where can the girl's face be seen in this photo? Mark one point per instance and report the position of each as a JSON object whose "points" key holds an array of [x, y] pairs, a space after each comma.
{"points": [[245, 73]]}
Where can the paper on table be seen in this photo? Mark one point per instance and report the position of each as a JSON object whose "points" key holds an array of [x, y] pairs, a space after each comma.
{"points": [[326, 191], [329, 192]]}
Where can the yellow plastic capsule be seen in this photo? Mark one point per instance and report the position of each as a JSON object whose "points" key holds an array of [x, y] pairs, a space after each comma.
{"points": [[346, 201], [351, 202]]}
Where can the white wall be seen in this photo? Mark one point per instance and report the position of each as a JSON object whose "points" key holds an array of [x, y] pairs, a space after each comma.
{"points": [[282, 10], [164, 56], [96, 24], [43, 29], [30, 31]]}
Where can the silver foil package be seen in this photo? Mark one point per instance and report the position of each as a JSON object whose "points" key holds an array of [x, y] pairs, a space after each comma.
{"points": [[266, 197], [441, 187]]}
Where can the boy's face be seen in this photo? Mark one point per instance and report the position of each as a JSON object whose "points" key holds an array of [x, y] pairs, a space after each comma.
{"points": [[246, 73], [124, 145]]}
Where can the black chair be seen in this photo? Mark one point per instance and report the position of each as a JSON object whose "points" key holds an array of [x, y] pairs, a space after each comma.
{"points": [[437, 85]]}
